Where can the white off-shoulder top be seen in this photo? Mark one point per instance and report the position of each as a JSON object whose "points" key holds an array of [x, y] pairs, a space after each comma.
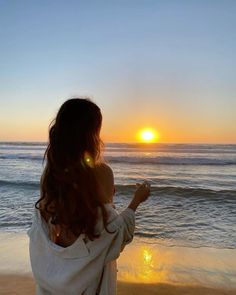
{"points": [[83, 268]]}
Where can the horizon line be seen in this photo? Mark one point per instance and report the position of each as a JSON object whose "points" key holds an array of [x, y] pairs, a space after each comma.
{"points": [[113, 142]]}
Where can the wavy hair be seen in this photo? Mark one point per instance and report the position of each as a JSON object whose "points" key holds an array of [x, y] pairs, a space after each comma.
{"points": [[70, 193]]}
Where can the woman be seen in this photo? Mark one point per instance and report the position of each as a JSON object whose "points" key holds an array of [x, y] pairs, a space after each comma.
{"points": [[77, 235]]}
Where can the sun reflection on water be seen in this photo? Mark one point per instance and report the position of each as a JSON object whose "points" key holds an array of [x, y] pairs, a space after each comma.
{"points": [[148, 264], [144, 265]]}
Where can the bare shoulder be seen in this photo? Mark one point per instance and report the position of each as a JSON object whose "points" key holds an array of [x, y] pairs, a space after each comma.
{"points": [[104, 170], [104, 175]]}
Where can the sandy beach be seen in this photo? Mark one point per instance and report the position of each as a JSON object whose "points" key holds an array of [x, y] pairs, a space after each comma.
{"points": [[143, 268], [18, 285]]}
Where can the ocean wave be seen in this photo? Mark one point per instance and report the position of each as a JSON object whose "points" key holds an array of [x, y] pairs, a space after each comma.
{"points": [[180, 145], [136, 147], [23, 147], [22, 143], [22, 184], [159, 160], [155, 190], [171, 160], [25, 156], [188, 149], [180, 191]]}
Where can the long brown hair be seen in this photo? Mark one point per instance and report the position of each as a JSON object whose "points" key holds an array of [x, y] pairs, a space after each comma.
{"points": [[69, 190]]}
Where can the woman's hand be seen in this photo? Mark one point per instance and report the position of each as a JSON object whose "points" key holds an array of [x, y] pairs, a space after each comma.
{"points": [[142, 192], [141, 195]]}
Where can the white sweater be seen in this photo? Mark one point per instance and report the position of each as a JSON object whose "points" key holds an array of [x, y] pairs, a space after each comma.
{"points": [[84, 268]]}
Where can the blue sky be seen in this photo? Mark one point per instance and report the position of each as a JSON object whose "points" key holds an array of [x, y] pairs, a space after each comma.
{"points": [[166, 64]]}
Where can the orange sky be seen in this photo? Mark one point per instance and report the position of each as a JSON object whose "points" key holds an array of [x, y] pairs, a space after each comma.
{"points": [[124, 127], [142, 67]]}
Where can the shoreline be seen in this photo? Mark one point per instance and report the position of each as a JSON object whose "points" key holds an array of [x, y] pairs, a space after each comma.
{"points": [[24, 284], [144, 267]]}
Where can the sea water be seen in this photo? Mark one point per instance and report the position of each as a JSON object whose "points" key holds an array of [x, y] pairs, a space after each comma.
{"points": [[193, 189], [185, 232]]}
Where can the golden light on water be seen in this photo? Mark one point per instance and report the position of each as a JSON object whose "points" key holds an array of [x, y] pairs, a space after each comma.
{"points": [[148, 135], [147, 256], [145, 266], [150, 263], [147, 272]]}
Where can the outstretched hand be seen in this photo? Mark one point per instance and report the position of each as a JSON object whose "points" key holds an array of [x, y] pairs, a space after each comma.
{"points": [[142, 192]]}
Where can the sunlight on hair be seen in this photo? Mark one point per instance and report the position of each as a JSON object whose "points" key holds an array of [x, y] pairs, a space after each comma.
{"points": [[88, 160]]}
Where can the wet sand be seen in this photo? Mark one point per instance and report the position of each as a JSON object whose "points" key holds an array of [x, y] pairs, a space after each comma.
{"points": [[144, 267], [18, 285]]}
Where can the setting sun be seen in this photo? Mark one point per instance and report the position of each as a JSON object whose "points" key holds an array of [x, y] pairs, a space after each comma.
{"points": [[147, 135]]}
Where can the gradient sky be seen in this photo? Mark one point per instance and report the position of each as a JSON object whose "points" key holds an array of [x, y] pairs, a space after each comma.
{"points": [[168, 64]]}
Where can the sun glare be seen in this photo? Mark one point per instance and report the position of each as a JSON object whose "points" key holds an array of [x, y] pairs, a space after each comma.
{"points": [[148, 135]]}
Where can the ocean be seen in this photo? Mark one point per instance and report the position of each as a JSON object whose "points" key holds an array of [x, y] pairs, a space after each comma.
{"points": [[193, 190]]}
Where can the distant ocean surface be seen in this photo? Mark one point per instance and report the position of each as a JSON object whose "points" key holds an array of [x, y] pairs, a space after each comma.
{"points": [[193, 195]]}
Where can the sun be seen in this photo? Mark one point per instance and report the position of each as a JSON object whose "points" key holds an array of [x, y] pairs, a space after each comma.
{"points": [[147, 135]]}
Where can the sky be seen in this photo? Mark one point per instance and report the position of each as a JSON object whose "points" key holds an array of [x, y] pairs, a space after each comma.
{"points": [[169, 65]]}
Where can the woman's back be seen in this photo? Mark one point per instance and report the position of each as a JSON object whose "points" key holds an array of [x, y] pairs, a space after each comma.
{"points": [[77, 235], [59, 234], [84, 265]]}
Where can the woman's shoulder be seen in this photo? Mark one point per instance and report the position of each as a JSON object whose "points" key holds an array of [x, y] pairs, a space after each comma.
{"points": [[104, 173], [105, 178], [104, 168]]}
